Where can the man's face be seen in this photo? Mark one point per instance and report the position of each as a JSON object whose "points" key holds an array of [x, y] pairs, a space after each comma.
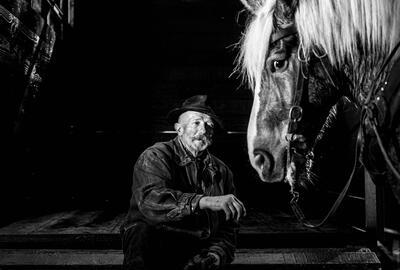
{"points": [[196, 130]]}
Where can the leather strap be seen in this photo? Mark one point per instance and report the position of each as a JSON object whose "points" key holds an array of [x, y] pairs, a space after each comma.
{"points": [[282, 33]]}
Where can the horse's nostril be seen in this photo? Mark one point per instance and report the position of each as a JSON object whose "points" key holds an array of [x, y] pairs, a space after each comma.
{"points": [[263, 160]]}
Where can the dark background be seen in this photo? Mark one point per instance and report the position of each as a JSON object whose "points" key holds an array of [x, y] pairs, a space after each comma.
{"points": [[112, 80]]}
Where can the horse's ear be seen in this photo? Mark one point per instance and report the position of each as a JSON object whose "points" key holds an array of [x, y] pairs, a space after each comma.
{"points": [[252, 5], [292, 4]]}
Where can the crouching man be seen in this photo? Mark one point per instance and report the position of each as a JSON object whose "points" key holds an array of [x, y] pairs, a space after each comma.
{"points": [[183, 212]]}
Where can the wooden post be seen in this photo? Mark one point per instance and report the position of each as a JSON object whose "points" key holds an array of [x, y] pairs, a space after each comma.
{"points": [[71, 12], [374, 216]]}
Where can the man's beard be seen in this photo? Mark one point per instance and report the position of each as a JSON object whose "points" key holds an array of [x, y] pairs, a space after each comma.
{"points": [[204, 141]]}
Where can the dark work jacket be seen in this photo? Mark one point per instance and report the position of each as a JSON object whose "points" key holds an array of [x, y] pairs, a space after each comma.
{"points": [[168, 183]]}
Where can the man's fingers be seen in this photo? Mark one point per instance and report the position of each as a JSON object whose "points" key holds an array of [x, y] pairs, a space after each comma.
{"points": [[207, 262], [189, 265], [233, 210], [227, 212], [231, 205], [242, 206], [239, 210]]}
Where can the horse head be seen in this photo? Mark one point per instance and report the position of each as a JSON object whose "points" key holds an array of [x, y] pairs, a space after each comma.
{"points": [[276, 70]]}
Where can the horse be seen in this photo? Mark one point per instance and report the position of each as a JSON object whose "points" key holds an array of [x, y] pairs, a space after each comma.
{"points": [[301, 60]]}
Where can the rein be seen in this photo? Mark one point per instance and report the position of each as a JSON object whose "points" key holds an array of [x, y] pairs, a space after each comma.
{"points": [[378, 101]]}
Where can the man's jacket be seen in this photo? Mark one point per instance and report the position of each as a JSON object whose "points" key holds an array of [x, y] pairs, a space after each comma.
{"points": [[168, 183]]}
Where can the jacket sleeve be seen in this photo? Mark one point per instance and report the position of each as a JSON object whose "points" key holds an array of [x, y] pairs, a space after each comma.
{"points": [[152, 189], [224, 241]]}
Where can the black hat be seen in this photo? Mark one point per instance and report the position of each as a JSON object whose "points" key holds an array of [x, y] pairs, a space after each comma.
{"points": [[198, 104]]}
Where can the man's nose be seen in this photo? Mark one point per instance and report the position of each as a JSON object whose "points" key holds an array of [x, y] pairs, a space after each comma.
{"points": [[202, 128]]}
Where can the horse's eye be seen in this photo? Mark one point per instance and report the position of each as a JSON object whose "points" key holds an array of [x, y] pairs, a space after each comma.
{"points": [[278, 65]]}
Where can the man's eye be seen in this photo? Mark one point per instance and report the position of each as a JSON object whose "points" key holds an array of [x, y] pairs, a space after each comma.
{"points": [[278, 65]]}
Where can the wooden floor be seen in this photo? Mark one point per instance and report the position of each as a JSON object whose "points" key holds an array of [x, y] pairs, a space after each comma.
{"points": [[266, 240], [67, 222], [100, 229]]}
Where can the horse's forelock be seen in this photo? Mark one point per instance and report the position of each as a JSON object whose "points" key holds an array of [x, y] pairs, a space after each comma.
{"points": [[270, 15], [284, 12], [252, 5], [255, 44]]}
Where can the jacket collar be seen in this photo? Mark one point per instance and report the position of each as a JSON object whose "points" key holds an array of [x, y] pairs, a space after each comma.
{"points": [[184, 157]]}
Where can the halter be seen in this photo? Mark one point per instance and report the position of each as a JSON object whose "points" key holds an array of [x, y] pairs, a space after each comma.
{"points": [[296, 111], [295, 115]]}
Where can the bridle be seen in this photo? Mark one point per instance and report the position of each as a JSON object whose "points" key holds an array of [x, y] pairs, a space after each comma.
{"points": [[373, 104], [300, 101]]}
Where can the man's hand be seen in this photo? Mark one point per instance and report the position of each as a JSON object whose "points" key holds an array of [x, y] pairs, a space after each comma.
{"points": [[231, 205], [203, 261]]}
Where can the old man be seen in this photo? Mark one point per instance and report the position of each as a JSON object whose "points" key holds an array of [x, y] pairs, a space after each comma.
{"points": [[183, 211]]}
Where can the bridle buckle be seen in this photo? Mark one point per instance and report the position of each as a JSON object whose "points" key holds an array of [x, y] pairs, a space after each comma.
{"points": [[295, 113]]}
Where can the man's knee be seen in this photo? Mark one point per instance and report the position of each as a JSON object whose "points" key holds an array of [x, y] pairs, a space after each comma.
{"points": [[146, 247], [137, 244]]}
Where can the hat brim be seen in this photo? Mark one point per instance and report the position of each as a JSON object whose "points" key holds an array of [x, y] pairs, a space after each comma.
{"points": [[174, 114]]}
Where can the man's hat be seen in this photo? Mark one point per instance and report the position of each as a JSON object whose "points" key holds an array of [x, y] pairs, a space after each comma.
{"points": [[198, 104]]}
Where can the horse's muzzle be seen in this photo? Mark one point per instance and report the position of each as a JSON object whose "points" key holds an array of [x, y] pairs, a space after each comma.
{"points": [[265, 165], [263, 160]]}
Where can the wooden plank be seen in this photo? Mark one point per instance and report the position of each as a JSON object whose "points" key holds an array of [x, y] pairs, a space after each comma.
{"points": [[319, 256], [75, 241], [71, 222], [243, 257], [34, 225], [252, 239], [45, 257]]}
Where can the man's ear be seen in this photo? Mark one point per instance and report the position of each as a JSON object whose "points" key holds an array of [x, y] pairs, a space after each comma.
{"points": [[178, 128]]}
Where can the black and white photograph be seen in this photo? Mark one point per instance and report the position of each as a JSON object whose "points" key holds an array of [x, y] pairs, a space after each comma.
{"points": [[200, 134]]}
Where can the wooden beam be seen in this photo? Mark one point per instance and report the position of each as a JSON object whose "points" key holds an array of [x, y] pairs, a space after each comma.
{"points": [[328, 258], [374, 218], [71, 12]]}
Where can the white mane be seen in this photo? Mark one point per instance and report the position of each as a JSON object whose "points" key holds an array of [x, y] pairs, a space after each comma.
{"points": [[349, 30]]}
